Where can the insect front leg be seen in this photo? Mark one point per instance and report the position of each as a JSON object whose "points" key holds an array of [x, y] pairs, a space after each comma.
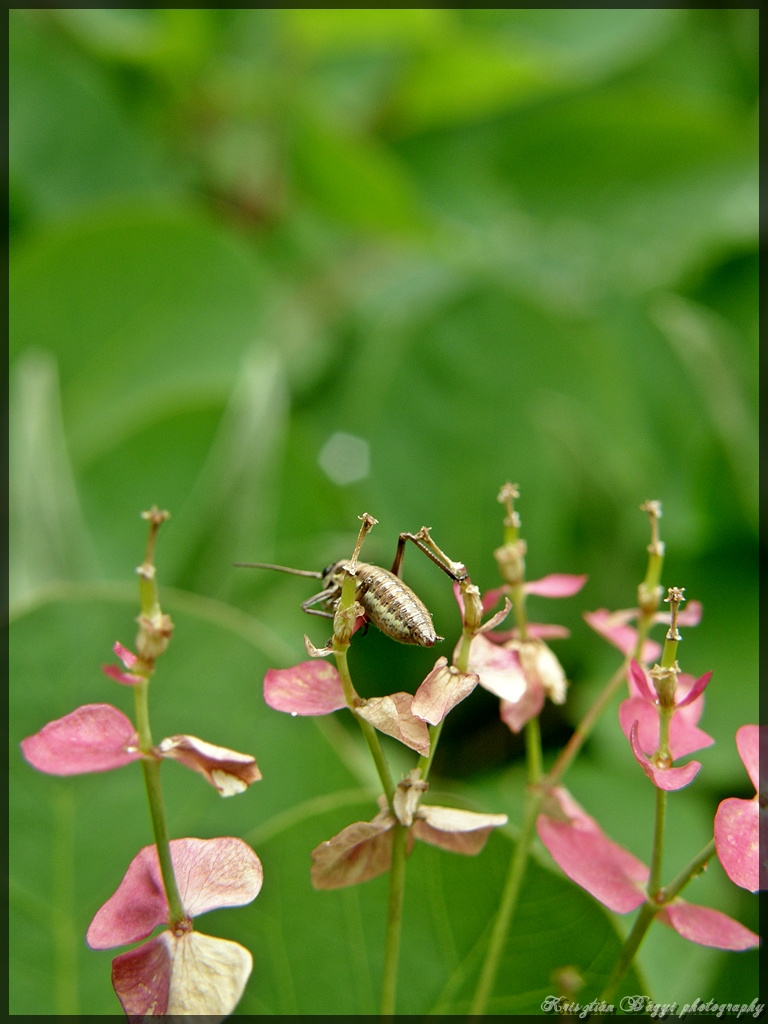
{"points": [[324, 597], [424, 543]]}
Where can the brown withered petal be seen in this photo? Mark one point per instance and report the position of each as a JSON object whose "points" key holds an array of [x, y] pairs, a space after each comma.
{"points": [[540, 662], [441, 690], [454, 829], [393, 715], [227, 770], [360, 851]]}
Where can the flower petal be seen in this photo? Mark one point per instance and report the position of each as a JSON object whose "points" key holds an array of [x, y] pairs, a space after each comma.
{"points": [[193, 974], [229, 771], [696, 690], [92, 738], [311, 688], [748, 746], [442, 690], [539, 662], [638, 683], [556, 584], [663, 778], [589, 858], [359, 852], [529, 706], [613, 627], [126, 678], [707, 927], [210, 873], [393, 715], [454, 829], [499, 669], [737, 840]]}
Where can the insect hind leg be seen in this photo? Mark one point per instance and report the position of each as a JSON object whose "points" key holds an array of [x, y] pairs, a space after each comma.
{"points": [[424, 543]]}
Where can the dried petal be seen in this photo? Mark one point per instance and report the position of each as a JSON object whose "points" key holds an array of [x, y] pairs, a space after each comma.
{"points": [[229, 771], [442, 690], [499, 669], [539, 662], [311, 688], [92, 738], [192, 974], [392, 715], [454, 829], [529, 706], [360, 851]]}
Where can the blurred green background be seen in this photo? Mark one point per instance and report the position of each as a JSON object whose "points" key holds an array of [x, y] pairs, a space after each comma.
{"points": [[271, 269]]}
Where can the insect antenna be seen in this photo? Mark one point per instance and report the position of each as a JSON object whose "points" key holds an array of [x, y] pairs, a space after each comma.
{"points": [[278, 568]]}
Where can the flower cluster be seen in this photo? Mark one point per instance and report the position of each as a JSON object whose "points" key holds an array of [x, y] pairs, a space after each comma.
{"points": [[180, 970]]}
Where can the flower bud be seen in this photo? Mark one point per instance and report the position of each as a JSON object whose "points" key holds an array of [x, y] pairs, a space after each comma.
{"points": [[510, 559]]}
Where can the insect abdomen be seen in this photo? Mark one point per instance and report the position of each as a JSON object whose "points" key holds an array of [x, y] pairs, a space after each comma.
{"points": [[393, 607]]}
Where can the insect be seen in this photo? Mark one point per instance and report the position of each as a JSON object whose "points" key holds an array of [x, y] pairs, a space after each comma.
{"points": [[388, 603]]}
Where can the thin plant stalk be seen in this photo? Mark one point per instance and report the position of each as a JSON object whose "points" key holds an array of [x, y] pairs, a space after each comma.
{"points": [[516, 874]]}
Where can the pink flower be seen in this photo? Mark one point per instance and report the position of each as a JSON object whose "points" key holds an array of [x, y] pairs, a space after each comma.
{"points": [[639, 719], [520, 671], [615, 628], [98, 738], [618, 879], [739, 823], [179, 971]]}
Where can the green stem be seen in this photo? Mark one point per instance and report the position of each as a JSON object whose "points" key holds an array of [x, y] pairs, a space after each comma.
{"points": [[394, 919], [513, 885], [689, 871], [654, 879], [629, 949], [151, 768]]}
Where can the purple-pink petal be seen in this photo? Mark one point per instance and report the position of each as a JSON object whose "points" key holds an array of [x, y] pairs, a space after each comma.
{"points": [[737, 841], [638, 682], [663, 778], [684, 737], [707, 927], [613, 627], [748, 746], [141, 977], [589, 858], [696, 690], [210, 873], [556, 584], [93, 738], [127, 657], [126, 678], [311, 688]]}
